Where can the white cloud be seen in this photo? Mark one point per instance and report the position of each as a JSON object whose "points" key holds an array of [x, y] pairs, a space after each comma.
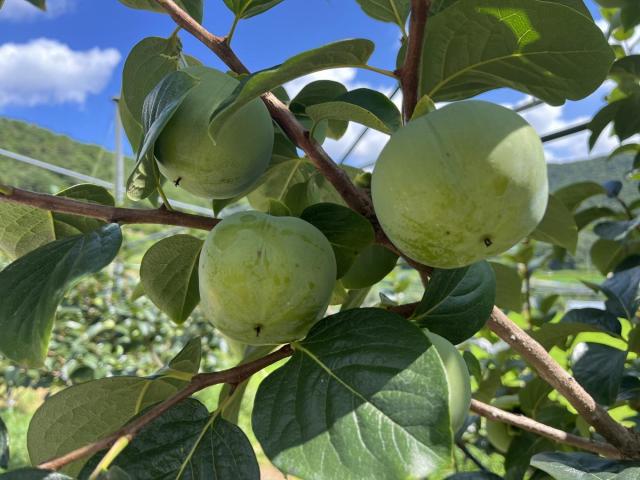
{"points": [[47, 72], [21, 10]]}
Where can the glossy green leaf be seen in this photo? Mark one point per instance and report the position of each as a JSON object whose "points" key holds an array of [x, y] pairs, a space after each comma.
{"points": [[169, 275], [474, 476], [457, 303], [23, 229], [88, 193], [591, 214], [599, 368], [558, 226], [392, 11], [552, 334], [277, 181], [508, 286], [574, 194], [33, 286], [89, 411], [159, 107], [186, 443], [371, 265], [41, 4], [584, 466], [346, 53], [250, 8], [542, 48], [600, 121], [33, 474], [367, 107], [192, 7], [603, 319], [607, 254], [317, 92], [347, 231], [616, 230], [621, 290], [383, 397], [533, 396], [150, 60]]}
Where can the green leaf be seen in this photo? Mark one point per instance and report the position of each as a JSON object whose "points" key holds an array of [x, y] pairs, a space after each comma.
{"points": [[474, 476], [169, 275], [392, 11], [41, 4], [192, 7], [574, 194], [317, 92], [250, 8], [584, 466], [23, 229], [88, 193], [33, 474], [159, 107], [346, 53], [33, 286], [457, 303], [383, 397], [551, 334], [542, 48], [186, 443], [365, 106], [347, 231], [601, 119], [371, 265], [604, 320], [599, 368], [607, 254], [558, 226], [616, 230], [534, 395], [89, 411], [4, 445], [591, 214], [114, 473], [149, 61], [621, 290], [508, 286], [277, 181]]}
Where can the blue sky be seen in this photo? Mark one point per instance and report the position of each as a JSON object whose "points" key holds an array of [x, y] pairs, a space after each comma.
{"points": [[61, 69]]}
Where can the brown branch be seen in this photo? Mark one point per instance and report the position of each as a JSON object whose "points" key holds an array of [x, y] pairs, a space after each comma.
{"points": [[410, 70], [356, 198], [199, 382], [627, 441], [122, 216], [530, 425]]}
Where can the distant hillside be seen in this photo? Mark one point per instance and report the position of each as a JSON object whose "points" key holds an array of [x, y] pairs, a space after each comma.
{"points": [[92, 160], [44, 145]]}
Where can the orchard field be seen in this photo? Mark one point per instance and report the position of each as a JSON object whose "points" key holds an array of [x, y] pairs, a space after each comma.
{"points": [[459, 306]]}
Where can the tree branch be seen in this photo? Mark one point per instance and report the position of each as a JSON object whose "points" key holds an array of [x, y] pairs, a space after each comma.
{"points": [[627, 441], [530, 425], [410, 71], [109, 214], [199, 382], [356, 198]]}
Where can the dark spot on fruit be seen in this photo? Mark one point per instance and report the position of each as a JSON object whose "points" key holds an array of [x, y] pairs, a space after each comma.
{"points": [[258, 329], [177, 181], [448, 232], [487, 242]]}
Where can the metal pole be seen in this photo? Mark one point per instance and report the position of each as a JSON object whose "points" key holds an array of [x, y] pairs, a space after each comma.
{"points": [[119, 157]]}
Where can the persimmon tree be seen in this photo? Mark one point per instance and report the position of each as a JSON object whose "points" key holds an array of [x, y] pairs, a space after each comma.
{"points": [[364, 392]]}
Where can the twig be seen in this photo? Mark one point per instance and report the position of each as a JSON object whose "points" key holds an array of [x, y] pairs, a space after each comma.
{"points": [[627, 441], [410, 70], [530, 425], [356, 198], [199, 382], [471, 456], [122, 216]]}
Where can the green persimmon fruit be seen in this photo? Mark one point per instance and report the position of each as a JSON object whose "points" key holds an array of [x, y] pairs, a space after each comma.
{"points": [[461, 184], [265, 280], [189, 158], [458, 379]]}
